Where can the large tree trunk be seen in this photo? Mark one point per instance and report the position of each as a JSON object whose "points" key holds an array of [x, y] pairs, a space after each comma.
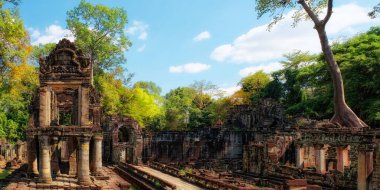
{"points": [[343, 116]]}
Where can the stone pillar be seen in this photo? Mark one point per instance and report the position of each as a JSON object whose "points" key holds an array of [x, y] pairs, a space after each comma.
{"points": [[137, 153], [55, 156], [97, 155], [19, 151], [342, 158], [300, 151], [44, 116], [84, 116], [84, 160], [365, 167], [44, 161], [376, 172], [32, 157], [72, 152], [320, 160], [362, 178]]}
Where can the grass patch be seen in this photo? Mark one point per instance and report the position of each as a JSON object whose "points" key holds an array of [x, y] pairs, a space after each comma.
{"points": [[184, 171], [4, 173]]}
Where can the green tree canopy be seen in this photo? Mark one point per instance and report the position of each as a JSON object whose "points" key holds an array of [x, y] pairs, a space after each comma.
{"points": [[254, 84], [312, 9], [99, 31], [18, 79]]}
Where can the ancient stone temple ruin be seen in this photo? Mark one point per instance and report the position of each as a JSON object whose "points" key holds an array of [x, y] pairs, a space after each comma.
{"points": [[256, 147], [260, 144], [64, 134]]}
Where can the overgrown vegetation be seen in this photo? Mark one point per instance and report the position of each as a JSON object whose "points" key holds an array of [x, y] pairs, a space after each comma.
{"points": [[305, 83]]}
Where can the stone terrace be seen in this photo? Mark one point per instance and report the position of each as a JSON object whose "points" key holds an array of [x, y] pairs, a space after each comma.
{"points": [[112, 182]]}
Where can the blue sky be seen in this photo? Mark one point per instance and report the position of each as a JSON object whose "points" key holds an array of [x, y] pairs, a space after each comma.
{"points": [[176, 42]]}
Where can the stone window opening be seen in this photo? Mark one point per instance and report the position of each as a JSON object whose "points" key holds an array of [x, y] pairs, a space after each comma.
{"points": [[64, 107]]}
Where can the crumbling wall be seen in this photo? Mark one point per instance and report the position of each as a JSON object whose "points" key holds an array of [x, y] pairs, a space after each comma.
{"points": [[12, 154]]}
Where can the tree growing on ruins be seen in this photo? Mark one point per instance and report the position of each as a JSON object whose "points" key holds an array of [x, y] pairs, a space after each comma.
{"points": [[99, 31], [313, 9]]}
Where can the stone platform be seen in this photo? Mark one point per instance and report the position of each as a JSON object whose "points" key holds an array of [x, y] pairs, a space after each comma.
{"points": [[110, 181]]}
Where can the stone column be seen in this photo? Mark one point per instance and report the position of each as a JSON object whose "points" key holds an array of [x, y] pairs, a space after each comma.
{"points": [[365, 166], [32, 156], [84, 160], [44, 161], [72, 147], [44, 116], [320, 160], [55, 156], [97, 155], [340, 158], [362, 178], [376, 172], [300, 151], [84, 116], [19, 151]]}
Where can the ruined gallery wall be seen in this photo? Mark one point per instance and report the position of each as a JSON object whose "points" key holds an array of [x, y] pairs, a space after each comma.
{"points": [[196, 147], [245, 141]]}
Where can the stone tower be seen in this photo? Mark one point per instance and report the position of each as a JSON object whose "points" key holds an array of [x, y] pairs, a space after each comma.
{"points": [[64, 124]]}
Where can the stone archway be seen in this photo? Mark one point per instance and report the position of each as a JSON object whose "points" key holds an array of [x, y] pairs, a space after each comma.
{"points": [[124, 140]]}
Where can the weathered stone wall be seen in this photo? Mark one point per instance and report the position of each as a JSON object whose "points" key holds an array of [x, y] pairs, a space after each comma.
{"points": [[123, 140], [12, 154], [259, 141]]}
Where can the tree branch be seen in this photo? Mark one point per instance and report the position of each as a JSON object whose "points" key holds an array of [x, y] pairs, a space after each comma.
{"points": [[329, 12], [310, 12]]}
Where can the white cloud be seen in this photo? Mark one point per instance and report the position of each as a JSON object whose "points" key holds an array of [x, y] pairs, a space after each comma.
{"points": [[51, 34], [202, 36], [260, 45], [189, 68], [268, 68], [138, 28], [230, 90], [141, 49]]}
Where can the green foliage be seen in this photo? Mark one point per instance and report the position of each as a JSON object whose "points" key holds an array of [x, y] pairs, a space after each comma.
{"points": [[18, 79], [359, 59], [142, 106], [303, 86], [184, 171], [40, 51], [137, 103], [254, 84], [14, 41], [99, 31], [4, 173], [375, 12], [178, 105], [194, 107], [277, 8], [273, 89]]}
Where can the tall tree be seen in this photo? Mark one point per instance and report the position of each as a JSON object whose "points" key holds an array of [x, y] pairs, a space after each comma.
{"points": [[99, 31], [204, 92], [149, 87], [178, 105], [343, 115], [254, 84], [14, 39], [18, 79], [40, 50]]}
